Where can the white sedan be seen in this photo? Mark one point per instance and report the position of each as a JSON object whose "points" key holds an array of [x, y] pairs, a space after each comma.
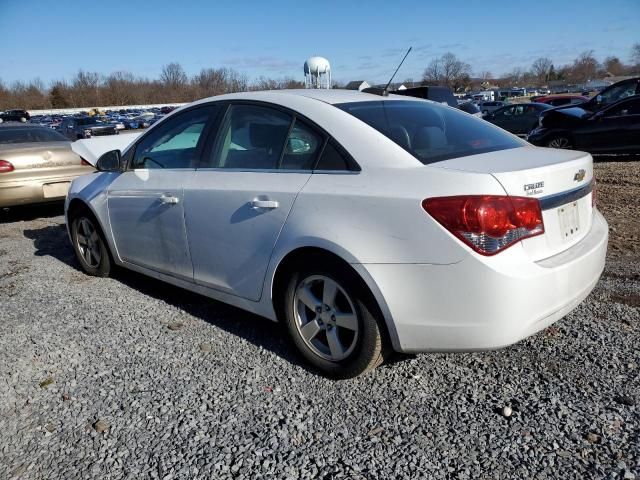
{"points": [[365, 223]]}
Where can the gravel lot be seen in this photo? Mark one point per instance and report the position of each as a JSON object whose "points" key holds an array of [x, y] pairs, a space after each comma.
{"points": [[131, 378]]}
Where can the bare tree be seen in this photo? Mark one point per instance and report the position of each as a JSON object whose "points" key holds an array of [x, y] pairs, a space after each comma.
{"points": [[210, 82], [486, 75], [541, 68], [447, 70], [584, 67], [516, 76], [433, 72], [174, 81], [86, 86], [613, 66], [263, 83], [173, 75], [120, 88]]}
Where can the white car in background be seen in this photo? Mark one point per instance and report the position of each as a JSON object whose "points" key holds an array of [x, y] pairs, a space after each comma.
{"points": [[366, 223]]}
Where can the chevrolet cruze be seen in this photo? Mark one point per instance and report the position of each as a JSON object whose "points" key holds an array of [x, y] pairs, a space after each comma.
{"points": [[365, 223]]}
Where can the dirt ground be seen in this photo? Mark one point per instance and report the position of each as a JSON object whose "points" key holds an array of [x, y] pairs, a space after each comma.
{"points": [[618, 198]]}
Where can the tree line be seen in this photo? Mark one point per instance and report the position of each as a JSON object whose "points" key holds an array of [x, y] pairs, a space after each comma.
{"points": [[451, 71], [88, 89]]}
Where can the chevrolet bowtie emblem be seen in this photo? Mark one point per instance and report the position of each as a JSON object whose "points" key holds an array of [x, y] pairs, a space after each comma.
{"points": [[579, 176]]}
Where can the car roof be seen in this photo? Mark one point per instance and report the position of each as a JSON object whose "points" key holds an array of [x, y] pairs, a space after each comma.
{"points": [[331, 96]]}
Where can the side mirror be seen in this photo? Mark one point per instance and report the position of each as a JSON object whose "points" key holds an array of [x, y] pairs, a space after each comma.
{"points": [[109, 162], [597, 116]]}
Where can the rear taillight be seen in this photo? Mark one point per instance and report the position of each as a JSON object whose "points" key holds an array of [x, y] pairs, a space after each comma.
{"points": [[487, 223], [84, 162], [6, 167]]}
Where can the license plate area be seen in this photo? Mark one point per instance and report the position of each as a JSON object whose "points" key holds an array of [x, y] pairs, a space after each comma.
{"points": [[54, 190], [569, 219]]}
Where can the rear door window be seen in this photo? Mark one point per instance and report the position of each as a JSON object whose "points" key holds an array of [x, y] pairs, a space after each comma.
{"points": [[252, 137], [332, 159], [430, 132]]}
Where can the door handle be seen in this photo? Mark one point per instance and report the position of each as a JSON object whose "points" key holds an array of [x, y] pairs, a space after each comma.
{"points": [[268, 204], [169, 199]]}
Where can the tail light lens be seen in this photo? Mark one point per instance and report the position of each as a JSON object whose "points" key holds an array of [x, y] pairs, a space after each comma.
{"points": [[85, 163], [6, 167], [487, 223]]}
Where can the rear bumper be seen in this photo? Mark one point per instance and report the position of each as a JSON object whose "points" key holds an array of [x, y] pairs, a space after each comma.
{"points": [[31, 191], [489, 302]]}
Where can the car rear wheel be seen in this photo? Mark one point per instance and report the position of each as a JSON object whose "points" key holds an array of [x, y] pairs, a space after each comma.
{"points": [[90, 246], [332, 323], [559, 141]]}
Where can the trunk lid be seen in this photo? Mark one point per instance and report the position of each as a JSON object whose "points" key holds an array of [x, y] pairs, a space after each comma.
{"points": [[43, 159], [560, 179]]}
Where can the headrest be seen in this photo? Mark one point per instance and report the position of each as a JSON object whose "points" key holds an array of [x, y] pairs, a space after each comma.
{"points": [[429, 138], [264, 135]]}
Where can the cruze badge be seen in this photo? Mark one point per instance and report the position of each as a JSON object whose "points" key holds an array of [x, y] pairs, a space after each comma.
{"points": [[579, 176], [533, 188]]}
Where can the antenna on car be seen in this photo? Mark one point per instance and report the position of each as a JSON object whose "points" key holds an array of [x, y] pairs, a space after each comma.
{"points": [[385, 91]]}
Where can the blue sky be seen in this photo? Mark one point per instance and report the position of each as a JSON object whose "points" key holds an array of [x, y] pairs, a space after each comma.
{"points": [[363, 40]]}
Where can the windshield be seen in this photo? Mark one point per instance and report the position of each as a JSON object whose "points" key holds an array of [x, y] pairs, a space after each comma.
{"points": [[431, 132], [29, 135]]}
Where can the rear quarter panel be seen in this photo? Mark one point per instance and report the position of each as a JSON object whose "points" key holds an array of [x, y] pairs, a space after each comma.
{"points": [[376, 216]]}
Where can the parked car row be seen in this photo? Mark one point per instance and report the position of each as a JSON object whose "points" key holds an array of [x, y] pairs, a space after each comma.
{"points": [[609, 122], [97, 122]]}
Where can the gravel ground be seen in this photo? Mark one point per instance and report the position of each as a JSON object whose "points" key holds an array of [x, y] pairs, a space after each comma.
{"points": [[131, 378]]}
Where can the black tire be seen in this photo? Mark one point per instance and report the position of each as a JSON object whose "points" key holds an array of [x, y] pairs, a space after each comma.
{"points": [[97, 267], [371, 345]]}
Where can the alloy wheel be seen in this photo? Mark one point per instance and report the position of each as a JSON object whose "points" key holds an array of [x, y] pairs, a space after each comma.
{"points": [[326, 318], [88, 242], [559, 142]]}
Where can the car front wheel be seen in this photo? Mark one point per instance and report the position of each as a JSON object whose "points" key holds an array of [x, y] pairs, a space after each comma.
{"points": [[332, 323], [90, 246]]}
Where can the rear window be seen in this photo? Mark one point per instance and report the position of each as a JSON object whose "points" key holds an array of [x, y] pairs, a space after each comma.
{"points": [[430, 132], [30, 135]]}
